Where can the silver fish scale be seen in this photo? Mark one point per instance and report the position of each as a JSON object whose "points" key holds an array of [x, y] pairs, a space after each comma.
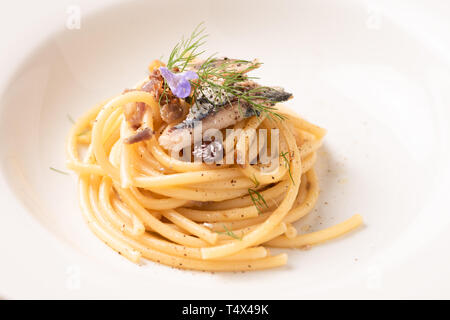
{"points": [[207, 102]]}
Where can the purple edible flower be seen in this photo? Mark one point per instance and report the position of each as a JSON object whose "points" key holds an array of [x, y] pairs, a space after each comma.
{"points": [[179, 82]]}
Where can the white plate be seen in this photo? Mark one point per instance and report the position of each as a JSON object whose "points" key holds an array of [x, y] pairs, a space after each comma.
{"points": [[372, 76]]}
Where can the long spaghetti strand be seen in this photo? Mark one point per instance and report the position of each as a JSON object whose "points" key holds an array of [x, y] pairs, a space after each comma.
{"points": [[143, 203]]}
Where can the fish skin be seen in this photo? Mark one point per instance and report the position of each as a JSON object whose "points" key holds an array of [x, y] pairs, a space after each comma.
{"points": [[275, 94], [221, 118], [207, 103], [224, 113], [217, 109], [203, 107]]}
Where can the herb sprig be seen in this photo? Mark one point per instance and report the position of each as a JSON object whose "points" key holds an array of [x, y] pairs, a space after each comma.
{"points": [[229, 233], [69, 117], [186, 51], [287, 164], [255, 181], [59, 171], [220, 77], [257, 198]]}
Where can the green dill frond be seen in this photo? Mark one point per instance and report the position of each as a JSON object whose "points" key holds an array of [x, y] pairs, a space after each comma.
{"points": [[70, 118], [187, 50], [59, 171], [219, 75], [227, 81], [229, 233], [164, 93], [258, 200], [82, 133], [287, 164]]}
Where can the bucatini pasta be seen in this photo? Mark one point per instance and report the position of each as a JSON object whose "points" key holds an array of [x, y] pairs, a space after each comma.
{"points": [[143, 199]]}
